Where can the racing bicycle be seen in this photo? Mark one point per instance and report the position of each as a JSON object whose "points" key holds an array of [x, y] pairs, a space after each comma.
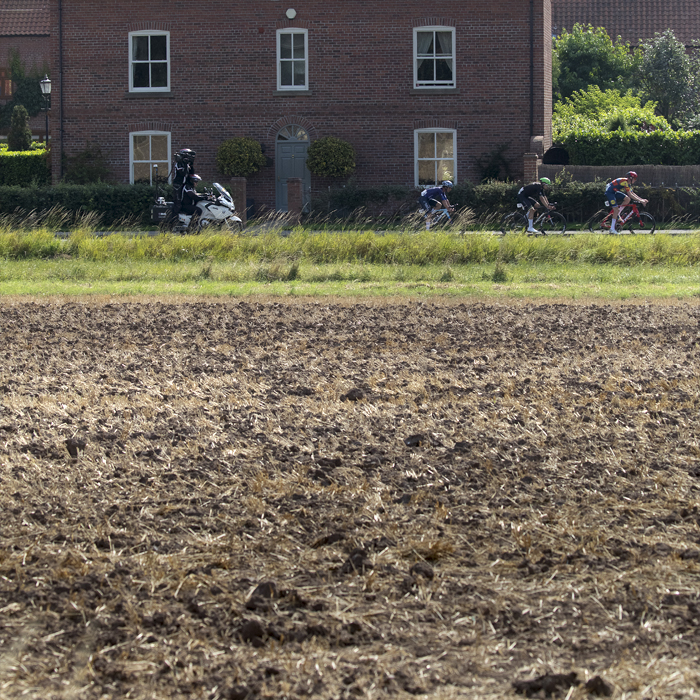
{"points": [[632, 220], [548, 221]]}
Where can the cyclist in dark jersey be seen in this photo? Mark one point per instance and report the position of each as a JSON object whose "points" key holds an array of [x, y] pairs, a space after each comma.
{"points": [[533, 196], [618, 194], [433, 199]]}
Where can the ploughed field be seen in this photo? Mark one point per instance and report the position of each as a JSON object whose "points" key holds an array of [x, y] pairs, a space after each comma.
{"points": [[335, 499]]}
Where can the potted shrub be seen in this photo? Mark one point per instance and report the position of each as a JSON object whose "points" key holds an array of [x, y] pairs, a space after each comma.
{"points": [[331, 157], [240, 157]]}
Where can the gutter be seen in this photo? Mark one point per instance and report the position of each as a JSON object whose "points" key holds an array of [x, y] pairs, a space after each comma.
{"points": [[60, 74], [532, 68]]}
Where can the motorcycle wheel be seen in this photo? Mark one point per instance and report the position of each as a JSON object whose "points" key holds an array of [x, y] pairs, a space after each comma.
{"points": [[233, 226]]}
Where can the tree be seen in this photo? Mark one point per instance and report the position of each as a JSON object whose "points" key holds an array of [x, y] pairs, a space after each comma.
{"points": [[587, 56], [27, 90], [331, 157], [19, 138], [669, 76], [240, 157]]}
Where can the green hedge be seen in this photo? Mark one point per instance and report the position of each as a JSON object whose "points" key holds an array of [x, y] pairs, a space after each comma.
{"points": [[24, 167], [112, 203], [601, 147]]}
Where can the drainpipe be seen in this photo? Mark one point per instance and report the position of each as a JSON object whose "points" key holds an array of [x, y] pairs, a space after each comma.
{"points": [[60, 74], [532, 68]]}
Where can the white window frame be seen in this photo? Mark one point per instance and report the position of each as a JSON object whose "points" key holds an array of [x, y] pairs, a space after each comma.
{"points": [[149, 34], [423, 85], [435, 159], [305, 33], [162, 176]]}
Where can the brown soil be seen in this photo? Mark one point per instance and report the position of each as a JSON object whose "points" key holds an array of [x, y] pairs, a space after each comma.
{"points": [[269, 499]]}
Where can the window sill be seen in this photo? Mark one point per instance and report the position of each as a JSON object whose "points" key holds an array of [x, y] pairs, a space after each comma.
{"points": [[435, 91], [291, 93], [148, 94]]}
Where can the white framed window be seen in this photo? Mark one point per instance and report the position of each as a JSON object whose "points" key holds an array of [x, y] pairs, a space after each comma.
{"points": [[146, 150], [434, 57], [149, 61], [292, 59], [436, 156]]}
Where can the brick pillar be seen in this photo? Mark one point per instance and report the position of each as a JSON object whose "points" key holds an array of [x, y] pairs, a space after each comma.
{"points": [[530, 163], [295, 198], [239, 194]]}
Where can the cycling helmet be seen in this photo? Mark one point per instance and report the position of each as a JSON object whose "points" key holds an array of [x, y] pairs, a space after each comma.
{"points": [[631, 173], [545, 181], [447, 183], [186, 154]]}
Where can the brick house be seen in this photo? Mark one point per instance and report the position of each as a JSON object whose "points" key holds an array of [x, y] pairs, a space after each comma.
{"points": [[635, 21], [421, 91], [24, 27]]}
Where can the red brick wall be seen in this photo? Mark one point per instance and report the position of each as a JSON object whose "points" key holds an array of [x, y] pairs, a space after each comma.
{"points": [[223, 80]]}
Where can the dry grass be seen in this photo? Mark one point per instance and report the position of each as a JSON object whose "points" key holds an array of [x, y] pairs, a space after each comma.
{"points": [[336, 500]]}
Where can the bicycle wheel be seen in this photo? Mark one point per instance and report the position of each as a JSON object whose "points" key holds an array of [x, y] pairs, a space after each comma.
{"points": [[644, 224], [513, 223], [599, 222], [551, 222]]}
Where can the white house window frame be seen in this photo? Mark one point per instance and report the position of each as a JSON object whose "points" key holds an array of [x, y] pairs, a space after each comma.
{"points": [[419, 53], [164, 172], [292, 59], [435, 157], [133, 61]]}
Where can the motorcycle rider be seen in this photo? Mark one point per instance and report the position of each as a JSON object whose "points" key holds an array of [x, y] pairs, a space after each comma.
{"points": [[182, 169], [190, 196]]}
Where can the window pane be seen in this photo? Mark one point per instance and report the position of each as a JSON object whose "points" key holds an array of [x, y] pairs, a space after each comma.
{"points": [[425, 43], [285, 45], [142, 149], [141, 74], [286, 73], [443, 69], [159, 48], [445, 170], [140, 48], [299, 73], [426, 69], [298, 45], [443, 45], [426, 145], [426, 172], [159, 147], [445, 144], [159, 75], [142, 172]]}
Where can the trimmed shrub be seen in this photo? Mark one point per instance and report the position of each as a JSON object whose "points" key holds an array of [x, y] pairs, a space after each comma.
{"points": [[24, 168], [19, 137], [240, 157], [331, 157]]}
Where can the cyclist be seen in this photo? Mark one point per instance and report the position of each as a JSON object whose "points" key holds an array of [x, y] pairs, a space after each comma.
{"points": [[533, 196], [432, 199], [618, 194]]}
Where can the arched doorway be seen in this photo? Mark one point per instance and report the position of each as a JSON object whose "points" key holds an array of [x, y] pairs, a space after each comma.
{"points": [[291, 146]]}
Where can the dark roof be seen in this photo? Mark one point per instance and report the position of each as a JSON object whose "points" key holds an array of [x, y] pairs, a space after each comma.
{"points": [[24, 18], [633, 20]]}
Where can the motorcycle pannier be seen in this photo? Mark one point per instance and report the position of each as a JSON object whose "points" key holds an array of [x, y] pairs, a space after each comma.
{"points": [[159, 213]]}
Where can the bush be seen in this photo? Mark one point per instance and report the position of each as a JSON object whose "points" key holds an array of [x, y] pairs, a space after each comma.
{"points": [[330, 157], [240, 157], [24, 168], [89, 165], [19, 137]]}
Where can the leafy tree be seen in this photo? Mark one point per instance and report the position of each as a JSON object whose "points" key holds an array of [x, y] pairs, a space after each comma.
{"points": [[669, 76], [587, 56], [240, 157], [331, 157], [19, 138], [27, 89]]}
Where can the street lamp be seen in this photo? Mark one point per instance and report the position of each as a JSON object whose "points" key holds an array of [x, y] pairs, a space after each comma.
{"points": [[46, 92]]}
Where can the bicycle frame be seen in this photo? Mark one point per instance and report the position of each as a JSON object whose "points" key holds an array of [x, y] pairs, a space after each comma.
{"points": [[621, 220]]}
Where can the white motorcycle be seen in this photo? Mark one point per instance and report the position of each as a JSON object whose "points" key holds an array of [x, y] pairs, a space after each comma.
{"points": [[217, 210]]}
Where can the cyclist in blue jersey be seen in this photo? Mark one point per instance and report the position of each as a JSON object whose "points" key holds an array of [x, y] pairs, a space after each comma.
{"points": [[618, 194], [432, 199]]}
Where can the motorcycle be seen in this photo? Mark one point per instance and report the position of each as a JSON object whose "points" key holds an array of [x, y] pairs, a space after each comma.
{"points": [[217, 210]]}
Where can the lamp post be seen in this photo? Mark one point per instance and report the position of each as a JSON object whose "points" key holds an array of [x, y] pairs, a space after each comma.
{"points": [[46, 92]]}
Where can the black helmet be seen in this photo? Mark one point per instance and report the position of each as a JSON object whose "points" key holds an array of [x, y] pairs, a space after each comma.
{"points": [[186, 154]]}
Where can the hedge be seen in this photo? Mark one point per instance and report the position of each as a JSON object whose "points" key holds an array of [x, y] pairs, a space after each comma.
{"points": [[24, 167], [113, 203]]}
